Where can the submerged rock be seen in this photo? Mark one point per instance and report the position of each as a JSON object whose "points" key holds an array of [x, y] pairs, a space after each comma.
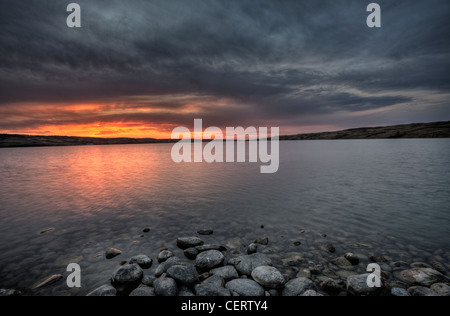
{"points": [[9, 292], [293, 259], [188, 242], [341, 262], [164, 255], [185, 291], [396, 291], [205, 232], [357, 286], [330, 286], [112, 252], [234, 243], [104, 290], [210, 247], [148, 280], [378, 259], [352, 258], [262, 240], [329, 248], [268, 277], [421, 291], [441, 289], [245, 287], [50, 280], [421, 276]]}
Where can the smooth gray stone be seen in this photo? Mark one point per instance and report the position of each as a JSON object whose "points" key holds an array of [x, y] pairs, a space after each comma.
{"points": [[268, 277], [245, 287], [165, 286], [297, 286], [184, 274]]}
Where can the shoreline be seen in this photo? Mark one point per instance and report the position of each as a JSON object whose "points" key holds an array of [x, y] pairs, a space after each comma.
{"points": [[198, 266], [405, 131]]}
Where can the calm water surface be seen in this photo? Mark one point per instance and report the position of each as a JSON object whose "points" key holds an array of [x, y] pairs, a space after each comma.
{"points": [[393, 195]]}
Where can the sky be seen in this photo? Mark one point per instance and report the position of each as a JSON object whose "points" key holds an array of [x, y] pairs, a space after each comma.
{"points": [[140, 68]]}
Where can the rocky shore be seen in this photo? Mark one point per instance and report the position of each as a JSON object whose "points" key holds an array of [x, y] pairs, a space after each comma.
{"points": [[252, 269]]}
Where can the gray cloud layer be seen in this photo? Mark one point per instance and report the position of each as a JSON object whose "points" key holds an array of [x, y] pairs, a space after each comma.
{"points": [[287, 62]]}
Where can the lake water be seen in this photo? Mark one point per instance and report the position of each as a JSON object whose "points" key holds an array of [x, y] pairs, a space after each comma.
{"points": [[381, 197]]}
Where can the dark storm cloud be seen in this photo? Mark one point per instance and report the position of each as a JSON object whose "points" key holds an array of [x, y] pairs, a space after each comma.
{"points": [[273, 59]]}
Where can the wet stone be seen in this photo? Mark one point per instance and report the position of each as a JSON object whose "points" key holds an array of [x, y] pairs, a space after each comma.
{"points": [[352, 258], [205, 232], [441, 289], [191, 253], [188, 242], [126, 278], [217, 280], [329, 248], [247, 263], [211, 289], [165, 286], [297, 286], [162, 268], [341, 262], [245, 287], [209, 259], [421, 291], [234, 243], [330, 286], [164, 255], [142, 260], [49, 281], [112, 252], [252, 248], [104, 290], [378, 259], [186, 275], [421, 276], [262, 241], [143, 291], [227, 272], [293, 259], [268, 277], [396, 291], [357, 286], [185, 291], [9, 292], [311, 293]]}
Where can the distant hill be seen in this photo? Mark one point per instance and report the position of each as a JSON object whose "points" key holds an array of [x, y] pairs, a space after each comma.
{"points": [[418, 130], [8, 140]]}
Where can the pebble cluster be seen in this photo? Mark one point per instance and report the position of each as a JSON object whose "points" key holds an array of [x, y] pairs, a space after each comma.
{"points": [[233, 269]]}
